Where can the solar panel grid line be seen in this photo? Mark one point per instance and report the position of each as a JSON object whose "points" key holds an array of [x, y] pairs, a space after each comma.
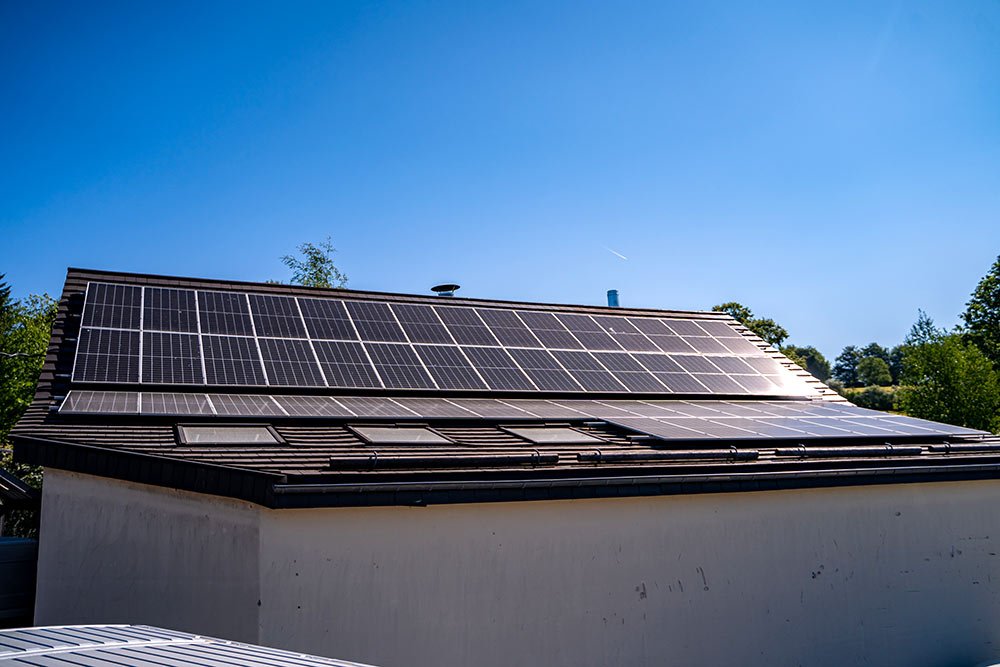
{"points": [[312, 348], [253, 330], [201, 346], [142, 293], [280, 407]]}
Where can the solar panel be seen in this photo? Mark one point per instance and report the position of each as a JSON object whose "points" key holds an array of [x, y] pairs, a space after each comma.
{"points": [[253, 339], [312, 406], [232, 360], [245, 405], [171, 358], [375, 322], [327, 319], [175, 404], [276, 316], [375, 406], [421, 323], [498, 369], [345, 364], [112, 306], [508, 328], [543, 369], [436, 408], [166, 309], [550, 331], [465, 326], [224, 313], [290, 363], [449, 367], [398, 366], [101, 402], [107, 355], [491, 408], [587, 371]]}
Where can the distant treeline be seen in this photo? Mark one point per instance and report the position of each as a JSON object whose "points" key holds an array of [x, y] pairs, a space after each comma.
{"points": [[948, 376]]}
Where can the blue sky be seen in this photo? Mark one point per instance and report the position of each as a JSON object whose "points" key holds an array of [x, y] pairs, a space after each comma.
{"points": [[833, 167]]}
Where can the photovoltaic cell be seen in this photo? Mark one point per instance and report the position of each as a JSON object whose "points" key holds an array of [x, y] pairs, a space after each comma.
{"points": [[107, 355], [549, 330], [719, 329], [290, 363], [373, 406], [685, 327], [720, 384], [449, 367], [112, 306], [508, 328], [740, 346], [544, 370], [706, 345], [435, 408], [224, 313], [498, 369], [171, 358], [231, 360], [420, 323], [660, 335], [276, 316], [490, 408], [375, 322], [327, 319], [587, 371], [345, 364], [465, 326], [398, 366], [166, 309]]}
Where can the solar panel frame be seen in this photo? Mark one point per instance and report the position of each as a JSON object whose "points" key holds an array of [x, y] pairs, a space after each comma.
{"points": [[398, 366], [375, 322], [498, 369], [177, 403], [346, 364], [171, 358], [544, 370], [626, 334], [224, 313], [121, 362], [508, 328], [588, 332], [552, 333], [100, 402], [245, 405], [466, 326], [421, 323]]}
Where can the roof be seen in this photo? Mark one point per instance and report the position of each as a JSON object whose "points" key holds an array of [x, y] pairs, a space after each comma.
{"points": [[15, 493], [140, 646], [657, 401]]}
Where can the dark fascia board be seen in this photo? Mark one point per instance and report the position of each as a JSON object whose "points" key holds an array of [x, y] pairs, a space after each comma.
{"points": [[98, 275], [277, 491], [250, 485]]}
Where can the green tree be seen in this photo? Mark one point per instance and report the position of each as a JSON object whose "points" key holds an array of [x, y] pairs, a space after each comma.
{"points": [[875, 350], [947, 379], [810, 359], [769, 330], [315, 268], [845, 366], [874, 371], [896, 355], [982, 315], [25, 327]]}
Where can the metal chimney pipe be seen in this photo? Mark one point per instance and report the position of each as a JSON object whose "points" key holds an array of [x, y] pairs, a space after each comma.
{"points": [[612, 298]]}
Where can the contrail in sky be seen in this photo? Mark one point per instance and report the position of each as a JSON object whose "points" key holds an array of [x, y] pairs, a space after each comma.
{"points": [[616, 254]]}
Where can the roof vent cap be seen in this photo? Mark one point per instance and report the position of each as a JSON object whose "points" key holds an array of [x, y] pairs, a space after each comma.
{"points": [[447, 289]]}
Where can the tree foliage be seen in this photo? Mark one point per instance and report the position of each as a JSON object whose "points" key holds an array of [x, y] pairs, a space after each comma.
{"points": [[874, 371], [810, 359], [769, 330], [845, 366], [315, 268], [25, 327], [982, 315], [948, 379]]}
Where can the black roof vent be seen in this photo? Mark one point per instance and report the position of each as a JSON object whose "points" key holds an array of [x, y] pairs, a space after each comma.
{"points": [[447, 289]]}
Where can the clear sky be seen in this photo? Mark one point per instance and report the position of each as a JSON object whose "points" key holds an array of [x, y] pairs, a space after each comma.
{"points": [[835, 167]]}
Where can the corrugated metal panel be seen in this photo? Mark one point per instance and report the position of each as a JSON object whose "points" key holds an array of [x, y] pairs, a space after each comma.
{"points": [[140, 646]]}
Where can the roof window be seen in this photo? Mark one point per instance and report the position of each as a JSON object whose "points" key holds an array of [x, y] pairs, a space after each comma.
{"points": [[400, 435], [228, 435], [554, 435]]}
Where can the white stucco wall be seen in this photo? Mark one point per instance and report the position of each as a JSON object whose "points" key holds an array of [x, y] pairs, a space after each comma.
{"points": [[883, 575], [115, 552]]}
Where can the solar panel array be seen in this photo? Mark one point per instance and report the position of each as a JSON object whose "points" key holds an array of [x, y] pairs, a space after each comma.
{"points": [[168, 336], [661, 419]]}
